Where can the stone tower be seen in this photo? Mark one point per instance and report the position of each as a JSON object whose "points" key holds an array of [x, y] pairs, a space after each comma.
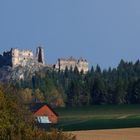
{"points": [[40, 55]]}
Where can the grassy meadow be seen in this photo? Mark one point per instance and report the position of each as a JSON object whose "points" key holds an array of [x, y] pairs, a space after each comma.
{"points": [[99, 117]]}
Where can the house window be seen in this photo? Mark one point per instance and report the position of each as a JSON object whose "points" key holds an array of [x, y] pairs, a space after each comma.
{"points": [[43, 119]]}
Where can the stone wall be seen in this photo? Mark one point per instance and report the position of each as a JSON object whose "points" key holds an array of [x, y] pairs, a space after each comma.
{"points": [[16, 57], [21, 57], [81, 64]]}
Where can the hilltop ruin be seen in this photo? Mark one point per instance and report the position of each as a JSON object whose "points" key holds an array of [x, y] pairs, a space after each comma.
{"points": [[15, 58]]}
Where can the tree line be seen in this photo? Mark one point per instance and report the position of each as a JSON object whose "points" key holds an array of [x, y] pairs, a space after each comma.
{"points": [[119, 85]]}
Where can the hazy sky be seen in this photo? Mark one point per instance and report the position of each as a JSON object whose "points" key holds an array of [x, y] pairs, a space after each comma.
{"points": [[102, 31]]}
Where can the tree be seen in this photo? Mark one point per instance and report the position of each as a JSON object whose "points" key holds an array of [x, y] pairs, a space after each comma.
{"points": [[120, 92], [98, 93], [38, 96], [26, 95], [14, 115], [135, 95]]}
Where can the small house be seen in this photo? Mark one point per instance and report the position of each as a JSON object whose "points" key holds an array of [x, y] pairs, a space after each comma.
{"points": [[43, 113]]}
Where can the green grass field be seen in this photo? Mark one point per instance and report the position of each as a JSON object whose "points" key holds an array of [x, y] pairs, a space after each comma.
{"points": [[99, 117]]}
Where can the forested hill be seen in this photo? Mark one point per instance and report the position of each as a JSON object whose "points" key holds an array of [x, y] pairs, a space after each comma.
{"points": [[119, 85]]}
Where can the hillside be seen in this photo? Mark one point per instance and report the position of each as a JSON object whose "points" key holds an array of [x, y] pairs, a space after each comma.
{"points": [[119, 85], [9, 74]]}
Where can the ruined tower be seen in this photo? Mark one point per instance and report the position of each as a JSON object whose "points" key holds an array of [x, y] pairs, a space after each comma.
{"points": [[40, 55]]}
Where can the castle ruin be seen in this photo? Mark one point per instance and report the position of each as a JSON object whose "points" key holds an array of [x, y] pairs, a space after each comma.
{"points": [[16, 57], [40, 55], [71, 63]]}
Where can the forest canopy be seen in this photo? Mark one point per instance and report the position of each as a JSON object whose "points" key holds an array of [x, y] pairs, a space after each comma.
{"points": [[119, 85]]}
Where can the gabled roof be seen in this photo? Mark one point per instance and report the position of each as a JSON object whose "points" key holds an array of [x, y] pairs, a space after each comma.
{"points": [[34, 107]]}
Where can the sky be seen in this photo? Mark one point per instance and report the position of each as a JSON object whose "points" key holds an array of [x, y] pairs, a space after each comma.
{"points": [[101, 31]]}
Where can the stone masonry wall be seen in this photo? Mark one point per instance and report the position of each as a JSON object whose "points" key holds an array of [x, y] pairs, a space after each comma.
{"points": [[16, 57], [81, 64], [21, 57]]}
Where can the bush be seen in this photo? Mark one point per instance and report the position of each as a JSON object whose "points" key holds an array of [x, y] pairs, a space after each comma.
{"points": [[35, 134]]}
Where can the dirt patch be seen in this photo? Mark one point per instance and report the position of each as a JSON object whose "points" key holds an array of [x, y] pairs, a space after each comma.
{"points": [[123, 117], [112, 134]]}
